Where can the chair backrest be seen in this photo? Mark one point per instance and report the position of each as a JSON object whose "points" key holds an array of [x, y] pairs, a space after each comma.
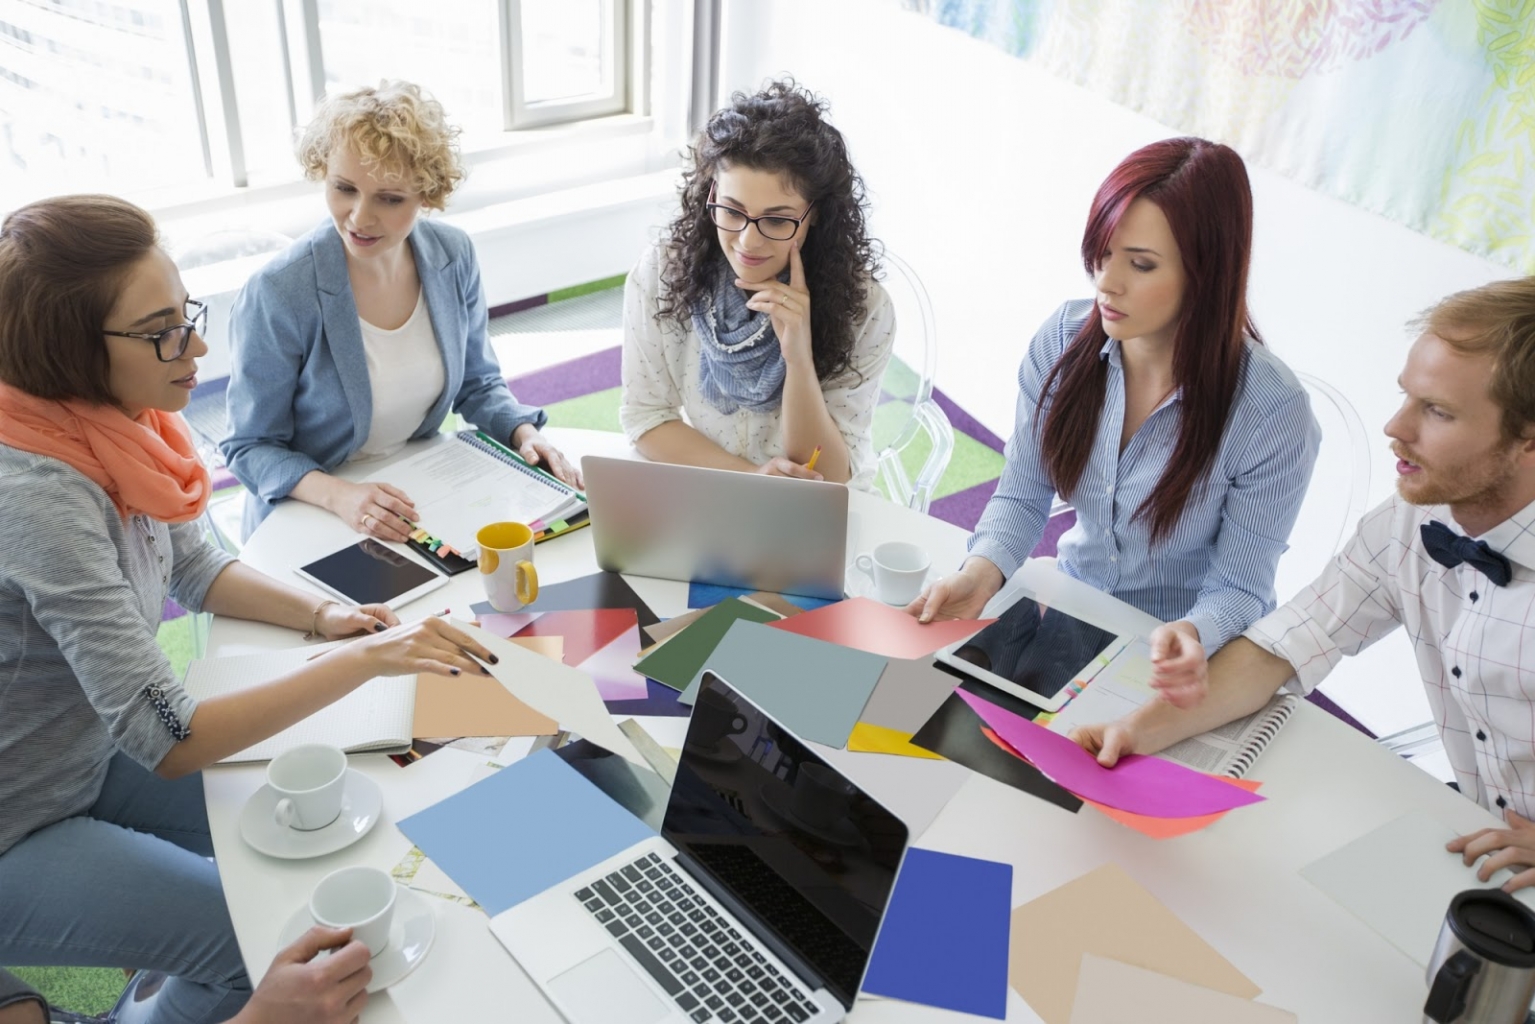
{"points": [[1340, 488], [912, 436]]}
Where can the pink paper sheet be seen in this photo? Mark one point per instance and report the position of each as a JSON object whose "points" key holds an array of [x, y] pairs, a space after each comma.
{"points": [[867, 625], [612, 668], [1141, 785]]}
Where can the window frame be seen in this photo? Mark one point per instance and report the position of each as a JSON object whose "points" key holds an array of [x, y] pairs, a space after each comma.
{"points": [[621, 40]]}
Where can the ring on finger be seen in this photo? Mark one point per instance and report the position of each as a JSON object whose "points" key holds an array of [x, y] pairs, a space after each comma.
{"points": [[366, 518]]}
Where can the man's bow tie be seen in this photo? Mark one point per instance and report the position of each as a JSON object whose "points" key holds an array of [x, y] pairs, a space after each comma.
{"points": [[1449, 549]]}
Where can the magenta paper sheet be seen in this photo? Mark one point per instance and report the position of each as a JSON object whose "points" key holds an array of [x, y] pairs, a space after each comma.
{"points": [[1141, 785]]}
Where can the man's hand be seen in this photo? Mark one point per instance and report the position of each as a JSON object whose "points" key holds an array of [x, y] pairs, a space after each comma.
{"points": [[1512, 847], [300, 989], [1178, 668]]}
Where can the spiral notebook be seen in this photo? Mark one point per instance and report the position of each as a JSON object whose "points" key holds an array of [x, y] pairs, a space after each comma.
{"points": [[458, 486], [1125, 684], [377, 716]]}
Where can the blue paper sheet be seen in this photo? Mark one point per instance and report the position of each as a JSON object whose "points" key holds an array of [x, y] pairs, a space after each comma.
{"points": [[514, 834], [707, 595], [945, 937]]}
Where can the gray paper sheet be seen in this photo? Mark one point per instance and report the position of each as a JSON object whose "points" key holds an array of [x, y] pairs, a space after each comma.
{"points": [[814, 688], [909, 692]]}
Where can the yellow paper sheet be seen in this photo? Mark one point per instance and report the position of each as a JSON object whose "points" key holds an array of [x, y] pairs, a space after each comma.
{"points": [[1106, 913], [876, 739]]}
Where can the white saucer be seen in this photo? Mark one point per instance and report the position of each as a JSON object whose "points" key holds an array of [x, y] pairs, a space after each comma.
{"points": [[410, 937], [361, 804], [857, 583]]}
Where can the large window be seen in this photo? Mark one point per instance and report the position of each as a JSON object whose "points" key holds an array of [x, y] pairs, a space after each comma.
{"points": [[200, 95]]}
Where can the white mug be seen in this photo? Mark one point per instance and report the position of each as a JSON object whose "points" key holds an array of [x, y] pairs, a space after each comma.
{"points": [[898, 570], [506, 565], [309, 781], [360, 898]]}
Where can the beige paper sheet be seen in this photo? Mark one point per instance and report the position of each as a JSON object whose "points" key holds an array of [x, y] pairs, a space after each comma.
{"points": [[1109, 992], [1106, 912], [478, 705]]}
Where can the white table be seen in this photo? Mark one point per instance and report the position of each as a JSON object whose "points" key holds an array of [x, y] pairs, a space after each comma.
{"points": [[1236, 883]]}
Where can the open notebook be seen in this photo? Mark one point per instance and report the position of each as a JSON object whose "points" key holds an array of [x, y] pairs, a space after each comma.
{"points": [[377, 716], [463, 484], [1125, 684]]}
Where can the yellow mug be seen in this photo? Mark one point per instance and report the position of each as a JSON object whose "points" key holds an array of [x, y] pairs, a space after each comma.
{"points": [[506, 565]]}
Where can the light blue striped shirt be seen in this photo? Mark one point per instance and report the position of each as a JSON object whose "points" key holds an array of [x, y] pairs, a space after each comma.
{"points": [[1216, 569]]}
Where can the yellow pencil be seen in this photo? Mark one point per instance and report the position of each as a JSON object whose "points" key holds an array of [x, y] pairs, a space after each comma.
{"points": [[813, 457]]}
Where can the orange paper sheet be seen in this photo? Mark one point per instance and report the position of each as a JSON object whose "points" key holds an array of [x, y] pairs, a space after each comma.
{"points": [[868, 625], [478, 705]]}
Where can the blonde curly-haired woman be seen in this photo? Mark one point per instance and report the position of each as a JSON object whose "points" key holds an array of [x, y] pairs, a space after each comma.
{"points": [[367, 331]]}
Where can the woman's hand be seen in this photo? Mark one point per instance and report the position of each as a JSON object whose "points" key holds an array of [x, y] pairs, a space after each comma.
{"points": [[378, 510], [780, 466], [789, 307], [536, 450], [1179, 671], [430, 645], [337, 620], [1106, 741], [959, 595], [302, 988]]}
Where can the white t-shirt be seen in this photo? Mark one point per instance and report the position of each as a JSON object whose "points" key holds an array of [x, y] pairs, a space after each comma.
{"points": [[406, 372], [661, 371]]}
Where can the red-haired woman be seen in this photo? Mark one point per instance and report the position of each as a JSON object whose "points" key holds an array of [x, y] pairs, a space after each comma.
{"points": [[1183, 443]]}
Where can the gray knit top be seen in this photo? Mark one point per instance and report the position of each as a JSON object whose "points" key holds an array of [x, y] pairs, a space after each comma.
{"points": [[81, 676]]}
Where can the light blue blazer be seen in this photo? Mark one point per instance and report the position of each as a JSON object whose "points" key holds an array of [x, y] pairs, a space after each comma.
{"points": [[299, 394]]}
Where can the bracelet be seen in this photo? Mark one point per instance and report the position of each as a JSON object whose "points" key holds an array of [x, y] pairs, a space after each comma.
{"points": [[314, 619]]}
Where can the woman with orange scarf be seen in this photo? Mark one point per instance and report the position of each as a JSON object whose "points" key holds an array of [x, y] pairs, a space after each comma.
{"points": [[103, 834]]}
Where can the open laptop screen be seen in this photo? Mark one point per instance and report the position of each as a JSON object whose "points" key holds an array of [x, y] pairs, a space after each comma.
{"points": [[794, 842]]}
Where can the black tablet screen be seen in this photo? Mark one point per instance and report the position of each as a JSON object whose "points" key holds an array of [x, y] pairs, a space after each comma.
{"points": [[1040, 649], [369, 573]]}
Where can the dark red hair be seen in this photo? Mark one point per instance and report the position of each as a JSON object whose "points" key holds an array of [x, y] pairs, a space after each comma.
{"points": [[1201, 188]]}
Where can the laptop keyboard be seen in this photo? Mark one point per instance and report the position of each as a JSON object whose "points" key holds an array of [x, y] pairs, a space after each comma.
{"points": [[700, 958]]}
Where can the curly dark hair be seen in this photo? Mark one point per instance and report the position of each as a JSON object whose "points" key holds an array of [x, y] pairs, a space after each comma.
{"points": [[781, 129]]}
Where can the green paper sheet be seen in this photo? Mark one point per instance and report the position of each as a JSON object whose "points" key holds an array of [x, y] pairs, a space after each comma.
{"points": [[677, 661]]}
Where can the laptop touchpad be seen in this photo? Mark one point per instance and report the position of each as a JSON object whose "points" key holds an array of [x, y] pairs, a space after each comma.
{"points": [[605, 990]]}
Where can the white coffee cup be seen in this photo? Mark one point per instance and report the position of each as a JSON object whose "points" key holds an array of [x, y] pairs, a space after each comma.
{"points": [[898, 570], [360, 898], [309, 781]]}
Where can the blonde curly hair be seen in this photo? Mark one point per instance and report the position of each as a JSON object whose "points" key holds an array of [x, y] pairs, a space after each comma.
{"points": [[399, 134]]}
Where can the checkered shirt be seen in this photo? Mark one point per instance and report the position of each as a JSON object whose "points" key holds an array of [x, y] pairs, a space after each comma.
{"points": [[1474, 641]]}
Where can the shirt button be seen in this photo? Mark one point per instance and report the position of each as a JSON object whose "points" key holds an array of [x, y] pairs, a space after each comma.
{"points": [[1113, 558], [1502, 802], [1481, 735], [1455, 671], [1473, 597]]}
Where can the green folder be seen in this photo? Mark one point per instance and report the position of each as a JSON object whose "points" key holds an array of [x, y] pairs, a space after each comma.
{"points": [[677, 661]]}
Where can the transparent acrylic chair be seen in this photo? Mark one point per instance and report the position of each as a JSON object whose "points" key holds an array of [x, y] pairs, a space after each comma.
{"points": [[913, 439]]}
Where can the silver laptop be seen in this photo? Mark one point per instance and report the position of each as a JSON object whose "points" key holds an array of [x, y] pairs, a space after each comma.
{"points": [[718, 526], [759, 902]]}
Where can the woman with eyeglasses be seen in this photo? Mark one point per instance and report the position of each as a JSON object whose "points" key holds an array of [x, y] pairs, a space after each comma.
{"points": [[365, 333], [758, 316], [104, 840], [1182, 441]]}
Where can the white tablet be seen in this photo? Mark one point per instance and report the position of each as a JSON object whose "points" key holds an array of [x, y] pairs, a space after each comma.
{"points": [[370, 572], [1037, 654]]}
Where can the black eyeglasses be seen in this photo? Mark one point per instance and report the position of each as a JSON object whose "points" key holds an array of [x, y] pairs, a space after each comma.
{"points": [[776, 227], [175, 338]]}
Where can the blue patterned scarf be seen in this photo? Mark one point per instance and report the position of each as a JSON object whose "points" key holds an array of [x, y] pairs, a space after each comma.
{"points": [[740, 363]]}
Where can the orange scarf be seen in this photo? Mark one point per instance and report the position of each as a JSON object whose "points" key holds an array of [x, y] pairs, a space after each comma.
{"points": [[147, 466]]}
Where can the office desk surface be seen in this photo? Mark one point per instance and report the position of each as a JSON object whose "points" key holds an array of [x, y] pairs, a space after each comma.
{"points": [[1235, 883]]}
